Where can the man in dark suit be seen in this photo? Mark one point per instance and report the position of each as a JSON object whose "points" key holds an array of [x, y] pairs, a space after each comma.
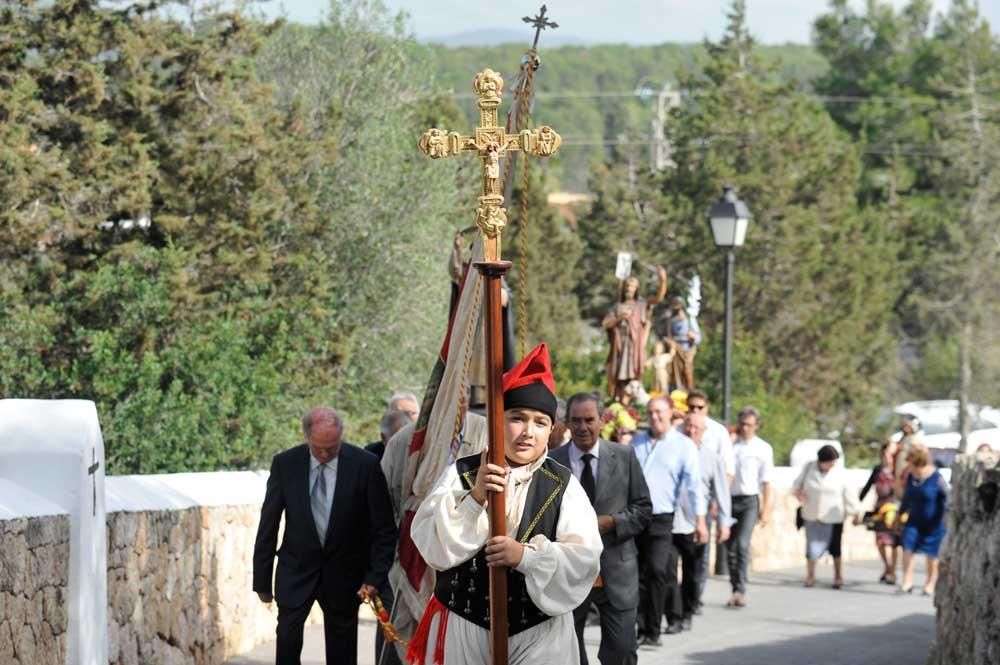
{"points": [[391, 422], [339, 537], [613, 480]]}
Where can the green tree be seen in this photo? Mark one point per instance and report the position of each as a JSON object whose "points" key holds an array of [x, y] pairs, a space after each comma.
{"points": [[969, 176], [909, 95], [552, 258], [812, 279], [201, 250]]}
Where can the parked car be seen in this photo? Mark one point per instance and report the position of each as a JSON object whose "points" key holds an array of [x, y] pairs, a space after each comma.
{"points": [[939, 423]]}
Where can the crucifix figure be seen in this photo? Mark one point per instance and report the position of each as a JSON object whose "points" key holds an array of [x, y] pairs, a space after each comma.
{"points": [[539, 23], [490, 142]]}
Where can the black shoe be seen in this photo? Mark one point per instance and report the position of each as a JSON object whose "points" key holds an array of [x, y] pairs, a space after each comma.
{"points": [[650, 642], [697, 609], [686, 623], [674, 628]]}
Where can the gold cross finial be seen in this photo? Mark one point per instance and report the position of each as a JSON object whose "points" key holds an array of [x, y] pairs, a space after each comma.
{"points": [[491, 142]]}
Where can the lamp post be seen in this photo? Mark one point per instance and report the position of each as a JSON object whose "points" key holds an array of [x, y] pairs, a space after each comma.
{"points": [[729, 218]]}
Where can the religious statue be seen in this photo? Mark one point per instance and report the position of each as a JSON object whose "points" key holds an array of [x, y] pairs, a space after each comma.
{"points": [[628, 325], [491, 219], [683, 336], [661, 362], [548, 140], [492, 184], [488, 84], [436, 143]]}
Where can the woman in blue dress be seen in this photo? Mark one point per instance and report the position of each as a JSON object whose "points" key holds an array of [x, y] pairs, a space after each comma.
{"points": [[924, 502]]}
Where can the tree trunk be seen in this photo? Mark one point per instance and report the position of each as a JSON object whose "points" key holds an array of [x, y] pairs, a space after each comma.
{"points": [[964, 384]]}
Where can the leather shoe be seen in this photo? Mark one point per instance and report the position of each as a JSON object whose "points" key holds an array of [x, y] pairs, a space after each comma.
{"points": [[674, 628], [650, 642]]}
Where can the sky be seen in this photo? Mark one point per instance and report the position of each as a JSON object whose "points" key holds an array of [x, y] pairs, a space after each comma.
{"points": [[611, 21]]}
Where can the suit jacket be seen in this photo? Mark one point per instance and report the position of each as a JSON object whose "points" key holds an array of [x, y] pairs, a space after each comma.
{"points": [[360, 538], [623, 494]]}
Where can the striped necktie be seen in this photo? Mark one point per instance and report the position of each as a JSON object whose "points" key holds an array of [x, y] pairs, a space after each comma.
{"points": [[319, 503]]}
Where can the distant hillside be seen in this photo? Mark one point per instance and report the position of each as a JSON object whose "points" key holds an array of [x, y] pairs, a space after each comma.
{"points": [[497, 37], [587, 92]]}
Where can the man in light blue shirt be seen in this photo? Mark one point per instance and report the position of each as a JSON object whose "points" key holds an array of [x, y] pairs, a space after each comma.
{"points": [[670, 464], [693, 554]]}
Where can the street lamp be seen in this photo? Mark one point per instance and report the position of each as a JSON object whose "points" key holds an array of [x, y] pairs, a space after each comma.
{"points": [[729, 218]]}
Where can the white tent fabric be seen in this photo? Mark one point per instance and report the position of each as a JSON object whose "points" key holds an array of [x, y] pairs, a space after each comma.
{"points": [[54, 449]]}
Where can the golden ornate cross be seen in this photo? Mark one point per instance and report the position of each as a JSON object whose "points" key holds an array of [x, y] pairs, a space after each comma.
{"points": [[491, 142]]}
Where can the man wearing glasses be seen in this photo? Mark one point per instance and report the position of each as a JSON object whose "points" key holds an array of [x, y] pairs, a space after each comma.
{"points": [[751, 490], [716, 439]]}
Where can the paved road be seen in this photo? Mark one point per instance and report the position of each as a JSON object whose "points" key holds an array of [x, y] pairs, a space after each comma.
{"points": [[784, 624]]}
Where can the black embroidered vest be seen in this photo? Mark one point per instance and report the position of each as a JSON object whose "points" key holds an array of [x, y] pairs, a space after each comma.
{"points": [[465, 589]]}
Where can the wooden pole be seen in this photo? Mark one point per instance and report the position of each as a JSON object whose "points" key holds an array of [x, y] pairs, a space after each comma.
{"points": [[491, 142], [492, 272]]}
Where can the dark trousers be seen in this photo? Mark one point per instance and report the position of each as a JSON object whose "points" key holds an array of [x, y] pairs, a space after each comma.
{"points": [[701, 570], [682, 598], [657, 565], [391, 656], [746, 510], [340, 628], [618, 643], [721, 559]]}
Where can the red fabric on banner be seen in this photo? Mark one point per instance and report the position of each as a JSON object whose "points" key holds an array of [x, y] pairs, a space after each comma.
{"points": [[409, 555]]}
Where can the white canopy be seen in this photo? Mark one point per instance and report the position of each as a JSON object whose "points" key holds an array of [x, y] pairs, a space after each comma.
{"points": [[54, 449]]}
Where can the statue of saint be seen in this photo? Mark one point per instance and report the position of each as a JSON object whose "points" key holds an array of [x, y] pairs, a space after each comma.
{"points": [[661, 362], [628, 325], [681, 333], [492, 184]]}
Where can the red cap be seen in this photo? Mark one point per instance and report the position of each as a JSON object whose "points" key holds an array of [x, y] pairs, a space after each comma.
{"points": [[529, 385], [533, 367]]}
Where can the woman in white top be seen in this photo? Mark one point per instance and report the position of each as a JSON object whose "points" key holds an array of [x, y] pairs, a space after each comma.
{"points": [[827, 500]]}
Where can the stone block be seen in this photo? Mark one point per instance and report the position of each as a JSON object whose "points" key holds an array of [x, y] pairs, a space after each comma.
{"points": [[25, 644], [6, 641]]}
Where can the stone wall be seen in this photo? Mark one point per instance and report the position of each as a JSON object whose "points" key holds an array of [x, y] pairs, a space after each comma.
{"points": [[180, 578], [780, 545], [179, 586], [968, 592], [180, 570], [34, 589]]}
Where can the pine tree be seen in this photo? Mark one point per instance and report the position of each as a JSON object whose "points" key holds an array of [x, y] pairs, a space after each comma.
{"points": [[963, 296], [552, 270], [198, 249], [812, 278]]}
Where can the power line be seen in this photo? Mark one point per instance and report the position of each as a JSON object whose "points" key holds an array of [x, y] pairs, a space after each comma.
{"points": [[926, 150], [825, 99]]}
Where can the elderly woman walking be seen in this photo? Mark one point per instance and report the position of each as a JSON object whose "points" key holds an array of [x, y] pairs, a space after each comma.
{"points": [[924, 502], [827, 499]]}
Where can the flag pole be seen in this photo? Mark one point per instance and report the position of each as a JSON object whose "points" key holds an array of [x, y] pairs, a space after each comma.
{"points": [[492, 272], [490, 142]]}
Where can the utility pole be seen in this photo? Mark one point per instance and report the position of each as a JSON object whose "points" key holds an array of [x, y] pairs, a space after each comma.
{"points": [[659, 148]]}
